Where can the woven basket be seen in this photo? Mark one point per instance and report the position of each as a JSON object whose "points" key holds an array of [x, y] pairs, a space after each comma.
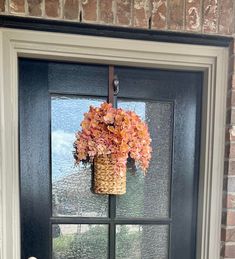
{"points": [[105, 181]]}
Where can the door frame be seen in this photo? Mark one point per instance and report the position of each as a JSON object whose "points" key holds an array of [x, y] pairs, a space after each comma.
{"points": [[212, 61]]}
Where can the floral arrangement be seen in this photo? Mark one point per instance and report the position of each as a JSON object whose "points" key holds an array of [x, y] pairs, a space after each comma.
{"points": [[114, 132]]}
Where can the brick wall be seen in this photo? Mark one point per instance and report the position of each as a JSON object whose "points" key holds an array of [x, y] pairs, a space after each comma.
{"points": [[228, 214], [196, 16], [199, 16]]}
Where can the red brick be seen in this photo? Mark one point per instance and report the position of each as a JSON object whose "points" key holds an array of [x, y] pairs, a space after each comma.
{"points": [[230, 235], [229, 184], [159, 14], [210, 14], [230, 134], [224, 203], [52, 8], [176, 15], [224, 218], [71, 9], [230, 150], [35, 7], [230, 201], [141, 13], [233, 116], [193, 15], [232, 101], [231, 64], [229, 251], [17, 6], [123, 16], [106, 8], [228, 218], [89, 10], [233, 81], [226, 17], [223, 234], [230, 116], [231, 167], [2, 5]]}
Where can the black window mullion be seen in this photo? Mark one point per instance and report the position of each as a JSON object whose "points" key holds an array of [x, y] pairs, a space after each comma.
{"points": [[111, 219], [78, 220], [112, 198], [112, 226]]}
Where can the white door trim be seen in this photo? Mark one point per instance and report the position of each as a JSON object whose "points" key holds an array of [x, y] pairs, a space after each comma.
{"points": [[57, 46]]}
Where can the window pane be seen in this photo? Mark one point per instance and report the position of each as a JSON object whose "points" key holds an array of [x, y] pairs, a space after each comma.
{"points": [[80, 241], [141, 242], [71, 186], [149, 196]]}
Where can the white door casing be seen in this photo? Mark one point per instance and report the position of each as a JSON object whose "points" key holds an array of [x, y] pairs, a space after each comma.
{"points": [[213, 61]]}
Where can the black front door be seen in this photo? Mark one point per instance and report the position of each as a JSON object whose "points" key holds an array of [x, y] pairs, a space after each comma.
{"points": [[60, 217]]}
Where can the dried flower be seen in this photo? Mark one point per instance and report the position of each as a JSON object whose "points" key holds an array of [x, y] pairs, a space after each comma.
{"points": [[110, 131]]}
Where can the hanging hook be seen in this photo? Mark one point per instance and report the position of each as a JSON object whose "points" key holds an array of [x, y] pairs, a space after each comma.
{"points": [[115, 85]]}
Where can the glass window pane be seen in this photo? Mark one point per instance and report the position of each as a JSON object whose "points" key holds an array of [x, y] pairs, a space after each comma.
{"points": [[80, 241], [142, 241], [149, 196], [71, 186]]}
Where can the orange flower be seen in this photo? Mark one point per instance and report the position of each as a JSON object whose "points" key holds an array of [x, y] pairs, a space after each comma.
{"points": [[106, 130], [109, 118], [111, 128]]}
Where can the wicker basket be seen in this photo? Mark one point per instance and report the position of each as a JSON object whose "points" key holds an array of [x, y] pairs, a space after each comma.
{"points": [[105, 181]]}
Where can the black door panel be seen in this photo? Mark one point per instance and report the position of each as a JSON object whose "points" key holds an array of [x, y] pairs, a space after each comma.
{"points": [[157, 216]]}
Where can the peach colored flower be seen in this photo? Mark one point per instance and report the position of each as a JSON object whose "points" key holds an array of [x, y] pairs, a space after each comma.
{"points": [[106, 130]]}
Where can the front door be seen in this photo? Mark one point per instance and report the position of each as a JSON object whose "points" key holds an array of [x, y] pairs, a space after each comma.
{"points": [[60, 217]]}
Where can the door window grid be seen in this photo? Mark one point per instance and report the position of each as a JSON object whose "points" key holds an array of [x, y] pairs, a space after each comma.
{"points": [[112, 221]]}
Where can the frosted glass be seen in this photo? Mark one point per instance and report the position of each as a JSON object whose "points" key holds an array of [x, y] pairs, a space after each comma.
{"points": [[80, 241], [142, 242], [149, 196], [71, 186]]}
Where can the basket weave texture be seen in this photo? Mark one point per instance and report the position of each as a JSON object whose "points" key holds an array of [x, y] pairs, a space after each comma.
{"points": [[105, 180]]}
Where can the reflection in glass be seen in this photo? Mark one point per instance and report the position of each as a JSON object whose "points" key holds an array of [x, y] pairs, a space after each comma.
{"points": [[71, 185], [80, 241], [141, 241], [148, 196]]}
